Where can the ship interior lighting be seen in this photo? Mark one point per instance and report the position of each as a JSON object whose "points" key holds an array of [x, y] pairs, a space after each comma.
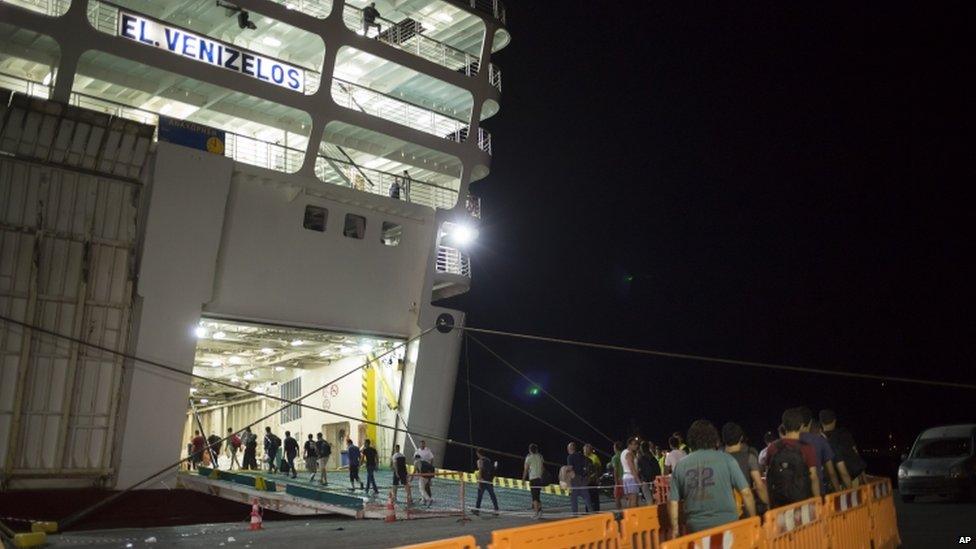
{"points": [[200, 331], [257, 357]]}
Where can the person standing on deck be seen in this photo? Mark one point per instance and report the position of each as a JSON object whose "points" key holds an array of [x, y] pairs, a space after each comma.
{"points": [[311, 456], [323, 450], [291, 452], [398, 463], [596, 467]]}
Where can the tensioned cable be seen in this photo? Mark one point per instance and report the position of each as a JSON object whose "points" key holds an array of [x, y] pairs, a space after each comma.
{"points": [[98, 505], [84, 512], [736, 362], [530, 414], [541, 388]]}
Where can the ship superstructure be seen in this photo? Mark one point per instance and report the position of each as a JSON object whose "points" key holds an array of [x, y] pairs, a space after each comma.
{"points": [[269, 193]]}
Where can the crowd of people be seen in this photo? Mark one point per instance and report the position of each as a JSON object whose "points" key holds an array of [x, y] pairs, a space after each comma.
{"points": [[280, 455], [716, 476]]}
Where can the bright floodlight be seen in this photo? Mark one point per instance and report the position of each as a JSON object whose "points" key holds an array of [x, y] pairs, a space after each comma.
{"points": [[220, 335], [200, 332], [279, 368], [297, 342], [204, 401], [463, 234]]}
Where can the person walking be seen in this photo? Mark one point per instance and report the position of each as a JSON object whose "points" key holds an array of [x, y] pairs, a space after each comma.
{"points": [[370, 14], [233, 445], [577, 480], [850, 464], [371, 457], [748, 459], [323, 450], [398, 464], [532, 472], [792, 474], [213, 448], [291, 452], [426, 474], [352, 452], [703, 483], [486, 480], [596, 468], [199, 442], [271, 445], [250, 450], [311, 456], [647, 468]]}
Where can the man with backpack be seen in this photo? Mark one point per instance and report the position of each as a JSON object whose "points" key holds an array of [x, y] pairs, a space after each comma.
{"points": [[271, 445], [291, 452], [792, 474], [213, 442], [748, 459], [486, 477], [233, 445], [850, 464], [311, 456], [323, 450], [250, 450], [703, 483]]}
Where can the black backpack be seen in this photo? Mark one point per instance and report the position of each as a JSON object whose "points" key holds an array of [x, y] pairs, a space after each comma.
{"points": [[788, 477], [487, 469]]}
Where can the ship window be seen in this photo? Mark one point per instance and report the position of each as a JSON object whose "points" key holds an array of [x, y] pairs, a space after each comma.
{"points": [[391, 234], [355, 226], [315, 218]]}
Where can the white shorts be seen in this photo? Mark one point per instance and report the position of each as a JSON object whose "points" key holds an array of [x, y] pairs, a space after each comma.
{"points": [[631, 486]]}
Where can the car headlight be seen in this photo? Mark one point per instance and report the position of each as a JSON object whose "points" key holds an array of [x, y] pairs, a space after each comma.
{"points": [[902, 472], [956, 471]]}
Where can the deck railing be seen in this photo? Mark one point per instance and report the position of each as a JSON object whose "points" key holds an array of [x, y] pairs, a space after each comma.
{"points": [[346, 174], [453, 261]]}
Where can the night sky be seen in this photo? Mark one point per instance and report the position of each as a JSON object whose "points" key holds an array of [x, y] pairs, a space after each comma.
{"points": [[766, 181]]}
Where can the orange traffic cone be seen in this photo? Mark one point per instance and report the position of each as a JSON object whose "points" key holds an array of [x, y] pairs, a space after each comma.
{"points": [[390, 508], [255, 515]]}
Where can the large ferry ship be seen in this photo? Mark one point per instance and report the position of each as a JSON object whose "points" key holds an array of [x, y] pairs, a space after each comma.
{"points": [[268, 194]]}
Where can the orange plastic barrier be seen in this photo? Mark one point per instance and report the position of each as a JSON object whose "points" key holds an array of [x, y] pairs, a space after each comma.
{"points": [[640, 527], [848, 519], [801, 525], [742, 534], [462, 542], [884, 524], [595, 531]]}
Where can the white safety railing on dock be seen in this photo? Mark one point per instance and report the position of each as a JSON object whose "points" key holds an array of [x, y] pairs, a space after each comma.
{"points": [[453, 261]]}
